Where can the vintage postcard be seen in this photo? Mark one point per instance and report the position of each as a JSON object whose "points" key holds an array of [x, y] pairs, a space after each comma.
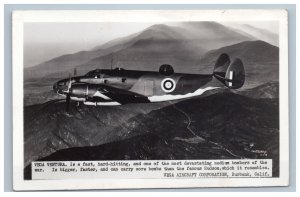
{"points": [[150, 99]]}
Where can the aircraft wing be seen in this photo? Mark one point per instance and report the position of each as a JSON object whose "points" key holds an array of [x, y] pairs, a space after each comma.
{"points": [[119, 95]]}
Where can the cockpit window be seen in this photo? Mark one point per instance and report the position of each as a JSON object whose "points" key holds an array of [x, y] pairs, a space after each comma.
{"points": [[89, 74], [98, 76], [62, 83], [119, 69], [103, 73], [93, 73]]}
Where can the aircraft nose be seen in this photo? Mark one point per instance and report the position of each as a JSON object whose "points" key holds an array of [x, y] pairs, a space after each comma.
{"points": [[60, 86]]}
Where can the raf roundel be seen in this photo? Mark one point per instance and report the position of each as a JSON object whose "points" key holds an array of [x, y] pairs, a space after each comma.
{"points": [[168, 85]]}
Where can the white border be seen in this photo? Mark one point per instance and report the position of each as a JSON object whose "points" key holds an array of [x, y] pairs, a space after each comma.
{"points": [[20, 17]]}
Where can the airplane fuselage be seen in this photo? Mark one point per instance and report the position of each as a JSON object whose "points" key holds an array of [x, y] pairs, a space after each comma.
{"points": [[119, 86], [146, 86]]}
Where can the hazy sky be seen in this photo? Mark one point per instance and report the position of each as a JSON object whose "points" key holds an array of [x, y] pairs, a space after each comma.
{"points": [[44, 41], [271, 26]]}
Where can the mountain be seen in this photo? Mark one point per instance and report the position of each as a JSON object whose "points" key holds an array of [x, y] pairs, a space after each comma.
{"points": [[148, 49], [268, 90], [185, 47], [54, 128], [219, 126], [262, 34], [251, 52], [261, 62], [214, 35]]}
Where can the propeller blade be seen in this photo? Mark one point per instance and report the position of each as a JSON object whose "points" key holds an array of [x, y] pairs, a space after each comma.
{"points": [[68, 98], [69, 84], [67, 102]]}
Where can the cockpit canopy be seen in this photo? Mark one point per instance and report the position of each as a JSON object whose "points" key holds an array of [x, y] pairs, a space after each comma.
{"points": [[100, 73], [93, 73], [118, 69]]}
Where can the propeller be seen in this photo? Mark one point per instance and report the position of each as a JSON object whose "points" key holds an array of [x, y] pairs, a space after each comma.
{"points": [[68, 97], [67, 102]]}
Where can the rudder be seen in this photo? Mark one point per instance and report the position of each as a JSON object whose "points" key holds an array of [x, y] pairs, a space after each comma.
{"points": [[235, 74]]}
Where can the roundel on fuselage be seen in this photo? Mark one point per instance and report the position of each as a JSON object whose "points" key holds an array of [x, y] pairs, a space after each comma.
{"points": [[166, 70], [168, 85]]}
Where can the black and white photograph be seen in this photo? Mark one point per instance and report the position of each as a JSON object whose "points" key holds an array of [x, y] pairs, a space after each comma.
{"points": [[169, 94]]}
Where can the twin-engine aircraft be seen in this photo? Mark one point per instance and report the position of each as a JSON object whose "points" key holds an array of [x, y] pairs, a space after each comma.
{"points": [[119, 86]]}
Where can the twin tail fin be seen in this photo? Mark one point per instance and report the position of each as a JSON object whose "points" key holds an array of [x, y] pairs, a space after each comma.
{"points": [[231, 74]]}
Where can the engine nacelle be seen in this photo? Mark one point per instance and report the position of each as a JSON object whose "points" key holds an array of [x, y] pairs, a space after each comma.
{"points": [[166, 70], [82, 90]]}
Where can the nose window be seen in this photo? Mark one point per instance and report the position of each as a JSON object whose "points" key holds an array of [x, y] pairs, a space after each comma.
{"points": [[98, 76], [62, 83]]}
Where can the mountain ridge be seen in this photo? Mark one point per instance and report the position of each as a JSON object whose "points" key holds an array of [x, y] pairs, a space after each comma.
{"points": [[54, 129], [159, 32], [205, 127]]}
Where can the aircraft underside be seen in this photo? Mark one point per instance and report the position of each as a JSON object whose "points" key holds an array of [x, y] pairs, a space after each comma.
{"points": [[102, 100]]}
